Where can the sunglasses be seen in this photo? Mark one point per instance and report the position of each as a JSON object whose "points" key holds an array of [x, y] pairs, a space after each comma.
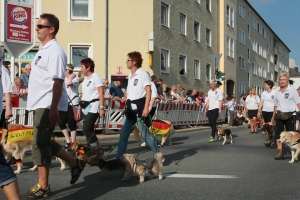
{"points": [[40, 26]]}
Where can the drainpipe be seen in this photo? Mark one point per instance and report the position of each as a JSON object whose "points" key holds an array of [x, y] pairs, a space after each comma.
{"points": [[106, 40]]}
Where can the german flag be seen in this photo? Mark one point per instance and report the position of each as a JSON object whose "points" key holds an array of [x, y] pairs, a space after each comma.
{"points": [[160, 127]]}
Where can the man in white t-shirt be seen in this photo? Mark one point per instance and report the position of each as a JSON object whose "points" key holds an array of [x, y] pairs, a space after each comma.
{"points": [[72, 83], [47, 98], [213, 107]]}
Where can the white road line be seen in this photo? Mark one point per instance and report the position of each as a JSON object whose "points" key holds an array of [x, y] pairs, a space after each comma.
{"points": [[197, 176]]}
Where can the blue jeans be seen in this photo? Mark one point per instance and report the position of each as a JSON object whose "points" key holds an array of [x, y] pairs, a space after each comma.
{"points": [[126, 129], [7, 175]]}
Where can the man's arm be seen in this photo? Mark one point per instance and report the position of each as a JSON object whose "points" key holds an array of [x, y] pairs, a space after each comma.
{"points": [[69, 80], [57, 91]]}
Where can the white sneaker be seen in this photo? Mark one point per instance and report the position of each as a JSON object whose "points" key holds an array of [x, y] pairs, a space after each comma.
{"points": [[144, 144]]}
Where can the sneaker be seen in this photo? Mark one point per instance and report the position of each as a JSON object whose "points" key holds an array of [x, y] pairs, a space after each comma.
{"points": [[279, 155], [76, 171], [211, 139], [36, 192]]}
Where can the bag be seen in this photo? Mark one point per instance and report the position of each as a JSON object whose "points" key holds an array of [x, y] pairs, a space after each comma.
{"points": [[74, 109], [284, 115], [84, 104], [129, 112], [87, 109]]}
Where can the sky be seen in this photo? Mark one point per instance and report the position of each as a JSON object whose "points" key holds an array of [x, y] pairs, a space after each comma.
{"points": [[283, 16]]}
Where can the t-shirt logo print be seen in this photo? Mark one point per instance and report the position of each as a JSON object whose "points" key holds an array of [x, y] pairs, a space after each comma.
{"points": [[89, 83], [216, 92], [135, 82], [272, 97], [286, 95], [37, 60]]}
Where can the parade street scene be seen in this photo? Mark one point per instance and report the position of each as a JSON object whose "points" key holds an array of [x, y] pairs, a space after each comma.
{"points": [[149, 99]]}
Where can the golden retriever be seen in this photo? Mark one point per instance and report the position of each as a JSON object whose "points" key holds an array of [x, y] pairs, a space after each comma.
{"points": [[292, 139]]}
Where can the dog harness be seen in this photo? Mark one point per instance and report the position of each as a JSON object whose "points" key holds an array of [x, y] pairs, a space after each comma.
{"points": [[297, 142]]}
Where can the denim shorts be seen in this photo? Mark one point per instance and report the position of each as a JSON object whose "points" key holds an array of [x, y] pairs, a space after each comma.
{"points": [[7, 175]]}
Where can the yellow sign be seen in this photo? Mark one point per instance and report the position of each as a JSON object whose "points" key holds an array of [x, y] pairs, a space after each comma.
{"points": [[20, 134]]}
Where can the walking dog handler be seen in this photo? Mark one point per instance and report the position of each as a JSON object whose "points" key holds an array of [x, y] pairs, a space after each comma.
{"points": [[137, 105]]}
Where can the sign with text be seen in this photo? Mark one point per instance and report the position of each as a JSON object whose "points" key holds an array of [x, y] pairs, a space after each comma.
{"points": [[19, 19]]}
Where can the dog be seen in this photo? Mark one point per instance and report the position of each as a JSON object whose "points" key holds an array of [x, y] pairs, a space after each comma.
{"points": [[164, 129], [224, 133], [292, 139], [18, 148], [269, 129], [141, 167], [90, 154], [108, 165]]}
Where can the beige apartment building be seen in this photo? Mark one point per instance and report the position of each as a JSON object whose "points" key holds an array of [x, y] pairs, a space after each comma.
{"points": [[176, 38], [253, 53]]}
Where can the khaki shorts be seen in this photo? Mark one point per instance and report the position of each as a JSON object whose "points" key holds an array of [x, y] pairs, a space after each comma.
{"points": [[43, 148]]}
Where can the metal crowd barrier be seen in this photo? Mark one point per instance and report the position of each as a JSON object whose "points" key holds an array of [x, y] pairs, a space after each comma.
{"points": [[179, 113]]}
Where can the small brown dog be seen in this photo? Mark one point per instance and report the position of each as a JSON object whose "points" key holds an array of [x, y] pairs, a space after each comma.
{"points": [[269, 129], [90, 154], [141, 167], [292, 139], [18, 148], [107, 165], [224, 133]]}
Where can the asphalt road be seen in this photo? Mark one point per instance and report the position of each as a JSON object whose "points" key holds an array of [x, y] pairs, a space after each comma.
{"points": [[193, 169]]}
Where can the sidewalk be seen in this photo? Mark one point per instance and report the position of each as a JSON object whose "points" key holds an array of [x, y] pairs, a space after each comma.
{"points": [[113, 135]]}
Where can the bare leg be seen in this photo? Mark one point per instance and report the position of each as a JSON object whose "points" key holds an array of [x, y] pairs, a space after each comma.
{"points": [[297, 124], [43, 175], [66, 134], [279, 144], [251, 125], [73, 136], [11, 191], [254, 124], [64, 155]]}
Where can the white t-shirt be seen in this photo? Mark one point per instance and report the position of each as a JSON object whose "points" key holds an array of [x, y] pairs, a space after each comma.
{"points": [[287, 101], [231, 105], [137, 83], [49, 63], [214, 98], [153, 93], [6, 82], [72, 91], [268, 98], [252, 102], [90, 91]]}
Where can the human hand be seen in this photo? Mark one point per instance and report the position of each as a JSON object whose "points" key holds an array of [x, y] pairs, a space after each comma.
{"points": [[101, 113], [54, 116], [145, 111]]}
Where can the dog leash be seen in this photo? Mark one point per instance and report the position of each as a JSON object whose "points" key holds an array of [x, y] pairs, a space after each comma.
{"points": [[98, 120]]}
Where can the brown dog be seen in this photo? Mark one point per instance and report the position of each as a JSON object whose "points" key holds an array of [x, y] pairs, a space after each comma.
{"points": [[292, 139], [269, 128], [141, 167], [224, 133], [90, 154], [18, 148]]}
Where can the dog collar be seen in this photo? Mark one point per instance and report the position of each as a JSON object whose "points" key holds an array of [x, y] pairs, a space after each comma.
{"points": [[297, 142], [80, 151]]}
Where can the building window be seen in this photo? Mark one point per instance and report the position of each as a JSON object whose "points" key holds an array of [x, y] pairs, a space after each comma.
{"points": [[208, 72], [182, 65], [81, 9], [164, 17], [197, 69], [248, 31], [254, 69], [208, 37], [79, 52], [208, 5], [164, 61], [254, 23], [242, 10], [272, 76], [230, 16], [230, 47], [197, 31], [182, 24], [242, 63], [248, 55], [242, 37]]}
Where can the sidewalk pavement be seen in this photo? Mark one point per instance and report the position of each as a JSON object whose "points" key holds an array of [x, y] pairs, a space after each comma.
{"points": [[113, 135]]}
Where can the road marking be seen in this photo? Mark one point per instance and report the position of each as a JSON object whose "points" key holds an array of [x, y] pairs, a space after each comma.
{"points": [[198, 176]]}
